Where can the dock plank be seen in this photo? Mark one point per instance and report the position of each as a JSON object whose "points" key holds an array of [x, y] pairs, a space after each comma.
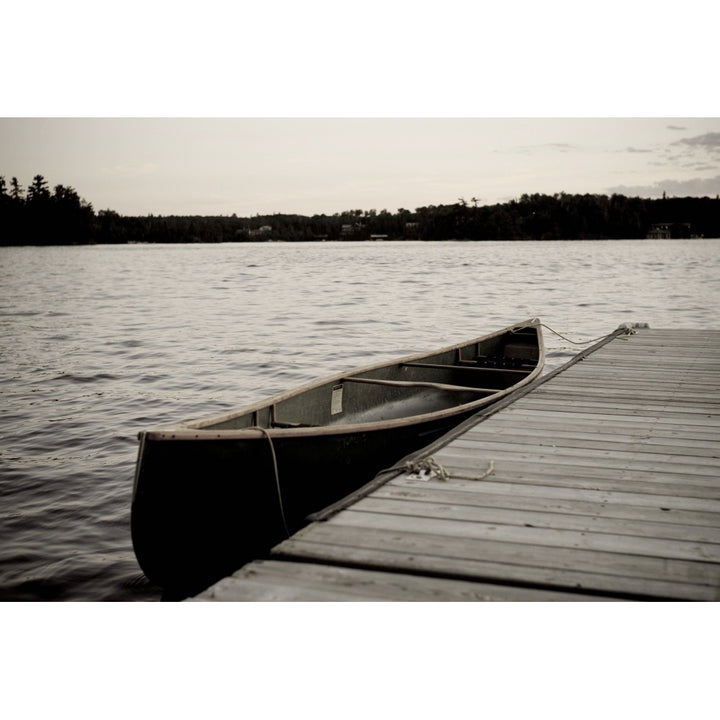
{"points": [[570, 438], [611, 455], [549, 424], [624, 494], [595, 508], [550, 537], [267, 581], [546, 519], [587, 478], [612, 574]]}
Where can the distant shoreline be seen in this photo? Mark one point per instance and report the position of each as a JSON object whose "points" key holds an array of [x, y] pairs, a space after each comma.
{"points": [[39, 217]]}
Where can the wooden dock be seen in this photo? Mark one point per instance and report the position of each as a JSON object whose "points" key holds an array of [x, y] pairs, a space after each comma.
{"points": [[601, 482]]}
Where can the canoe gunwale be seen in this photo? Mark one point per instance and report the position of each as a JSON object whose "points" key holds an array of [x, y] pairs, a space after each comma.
{"points": [[202, 430], [185, 433]]}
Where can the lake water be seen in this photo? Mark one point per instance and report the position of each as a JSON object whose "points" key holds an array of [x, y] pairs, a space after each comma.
{"points": [[100, 342]]}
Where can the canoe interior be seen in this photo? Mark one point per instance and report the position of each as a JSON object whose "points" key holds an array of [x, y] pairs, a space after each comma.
{"points": [[475, 371]]}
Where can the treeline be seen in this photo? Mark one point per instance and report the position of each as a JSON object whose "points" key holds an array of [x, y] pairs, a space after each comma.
{"points": [[41, 217]]}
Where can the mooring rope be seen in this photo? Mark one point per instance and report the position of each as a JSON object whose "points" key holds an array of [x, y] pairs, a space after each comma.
{"points": [[277, 476], [627, 327], [628, 331], [432, 467]]}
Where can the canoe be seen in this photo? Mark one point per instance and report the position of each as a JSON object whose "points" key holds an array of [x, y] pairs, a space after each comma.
{"points": [[211, 494]]}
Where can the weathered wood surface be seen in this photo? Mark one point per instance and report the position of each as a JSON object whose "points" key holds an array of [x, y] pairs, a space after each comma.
{"points": [[273, 580], [605, 484]]}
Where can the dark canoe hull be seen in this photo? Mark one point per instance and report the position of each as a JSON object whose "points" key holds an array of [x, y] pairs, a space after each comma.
{"points": [[207, 499], [204, 508]]}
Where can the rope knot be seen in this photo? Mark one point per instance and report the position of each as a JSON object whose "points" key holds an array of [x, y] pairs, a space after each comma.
{"points": [[426, 468]]}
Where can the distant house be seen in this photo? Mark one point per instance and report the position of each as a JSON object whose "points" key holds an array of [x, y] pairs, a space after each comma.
{"points": [[351, 229], [261, 231], [659, 231], [412, 229], [378, 237], [668, 230]]}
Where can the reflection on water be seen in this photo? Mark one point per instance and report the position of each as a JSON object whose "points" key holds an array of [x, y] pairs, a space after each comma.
{"points": [[100, 342]]}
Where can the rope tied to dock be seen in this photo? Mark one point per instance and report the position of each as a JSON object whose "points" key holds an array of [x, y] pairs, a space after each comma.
{"points": [[428, 467], [629, 330], [425, 468]]}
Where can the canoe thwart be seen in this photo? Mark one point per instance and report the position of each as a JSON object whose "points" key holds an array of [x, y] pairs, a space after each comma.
{"points": [[469, 365], [413, 383]]}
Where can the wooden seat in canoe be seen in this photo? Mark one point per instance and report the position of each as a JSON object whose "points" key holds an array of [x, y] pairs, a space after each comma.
{"points": [[422, 384]]}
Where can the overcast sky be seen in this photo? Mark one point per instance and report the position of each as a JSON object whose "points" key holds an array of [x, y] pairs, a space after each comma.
{"points": [[307, 166], [130, 73]]}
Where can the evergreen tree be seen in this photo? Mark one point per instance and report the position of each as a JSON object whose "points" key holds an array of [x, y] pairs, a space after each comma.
{"points": [[16, 191]]}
